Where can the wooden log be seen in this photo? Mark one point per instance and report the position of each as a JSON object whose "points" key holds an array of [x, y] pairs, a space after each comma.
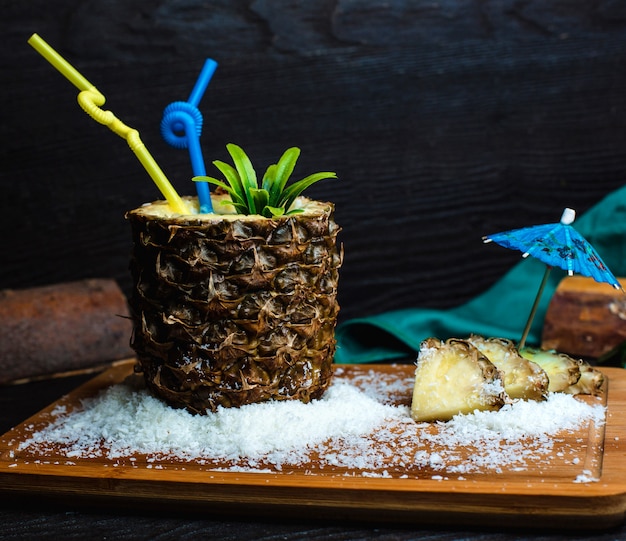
{"points": [[62, 328], [585, 318]]}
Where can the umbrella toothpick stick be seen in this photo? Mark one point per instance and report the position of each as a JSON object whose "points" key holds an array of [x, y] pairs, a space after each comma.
{"points": [[533, 310], [90, 100]]}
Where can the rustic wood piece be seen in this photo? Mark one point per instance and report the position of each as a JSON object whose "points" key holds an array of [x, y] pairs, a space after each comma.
{"points": [[62, 328], [544, 496], [585, 318]]}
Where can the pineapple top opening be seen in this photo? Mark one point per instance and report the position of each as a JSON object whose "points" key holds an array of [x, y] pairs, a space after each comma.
{"points": [[270, 196], [162, 209]]}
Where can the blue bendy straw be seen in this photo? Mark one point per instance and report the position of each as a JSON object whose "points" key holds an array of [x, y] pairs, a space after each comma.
{"points": [[203, 81], [181, 127]]}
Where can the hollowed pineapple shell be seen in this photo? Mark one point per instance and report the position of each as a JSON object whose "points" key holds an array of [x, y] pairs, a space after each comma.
{"points": [[233, 309]]}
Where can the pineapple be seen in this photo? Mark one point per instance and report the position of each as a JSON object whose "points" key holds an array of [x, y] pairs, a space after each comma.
{"points": [[454, 377], [562, 370], [237, 306], [523, 378], [590, 382], [567, 375]]}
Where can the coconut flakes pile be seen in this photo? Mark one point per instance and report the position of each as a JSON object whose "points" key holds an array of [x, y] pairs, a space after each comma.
{"points": [[354, 429]]}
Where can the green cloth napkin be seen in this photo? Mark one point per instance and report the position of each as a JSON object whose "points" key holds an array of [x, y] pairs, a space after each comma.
{"points": [[500, 311]]}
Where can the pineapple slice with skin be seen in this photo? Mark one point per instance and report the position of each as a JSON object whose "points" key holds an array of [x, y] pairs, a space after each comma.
{"points": [[452, 378], [562, 370], [523, 378], [590, 382]]}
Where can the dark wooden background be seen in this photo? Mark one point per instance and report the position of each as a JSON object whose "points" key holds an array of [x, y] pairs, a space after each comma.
{"points": [[444, 121]]}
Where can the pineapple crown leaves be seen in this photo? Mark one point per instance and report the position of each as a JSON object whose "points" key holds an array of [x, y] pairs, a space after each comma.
{"points": [[273, 198]]}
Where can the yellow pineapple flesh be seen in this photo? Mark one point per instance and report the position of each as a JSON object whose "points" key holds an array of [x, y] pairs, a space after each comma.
{"points": [[454, 377], [567, 374], [523, 378], [562, 370]]}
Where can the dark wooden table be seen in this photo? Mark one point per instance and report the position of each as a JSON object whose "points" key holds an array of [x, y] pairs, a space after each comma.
{"points": [[36, 519]]}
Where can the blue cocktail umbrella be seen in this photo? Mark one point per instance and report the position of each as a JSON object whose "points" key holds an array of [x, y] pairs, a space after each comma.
{"points": [[181, 127], [556, 245]]}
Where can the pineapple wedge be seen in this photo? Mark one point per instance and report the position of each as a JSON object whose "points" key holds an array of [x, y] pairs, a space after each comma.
{"points": [[562, 370], [452, 378], [590, 381], [523, 378]]}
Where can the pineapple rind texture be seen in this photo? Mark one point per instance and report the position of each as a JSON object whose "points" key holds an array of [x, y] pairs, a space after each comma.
{"points": [[230, 310], [590, 382], [454, 378]]}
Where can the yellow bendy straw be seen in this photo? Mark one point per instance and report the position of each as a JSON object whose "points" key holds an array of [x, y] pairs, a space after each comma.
{"points": [[90, 100]]}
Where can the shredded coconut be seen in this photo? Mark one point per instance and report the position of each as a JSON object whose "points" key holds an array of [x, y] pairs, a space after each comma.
{"points": [[356, 428]]}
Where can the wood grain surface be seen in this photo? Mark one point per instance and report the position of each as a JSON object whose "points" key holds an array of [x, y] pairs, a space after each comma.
{"points": [[61, 328], [444, 121], [585, 318], [40, 518], [545, 491]]}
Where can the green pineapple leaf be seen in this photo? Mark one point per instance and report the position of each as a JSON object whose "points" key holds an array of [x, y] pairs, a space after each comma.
{"points": [[274, 212], [237, 199], [247, 174], [268, 178], [232, 177], [274, 198], [293, 191], [260, 198], [284, 169]]}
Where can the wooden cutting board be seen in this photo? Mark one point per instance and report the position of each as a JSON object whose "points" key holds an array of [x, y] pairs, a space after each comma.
{"points": [[545, 495]]}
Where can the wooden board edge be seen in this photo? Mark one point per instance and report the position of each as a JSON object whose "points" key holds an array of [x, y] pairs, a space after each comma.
{"points": [[410, 508], [599, 509]]}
